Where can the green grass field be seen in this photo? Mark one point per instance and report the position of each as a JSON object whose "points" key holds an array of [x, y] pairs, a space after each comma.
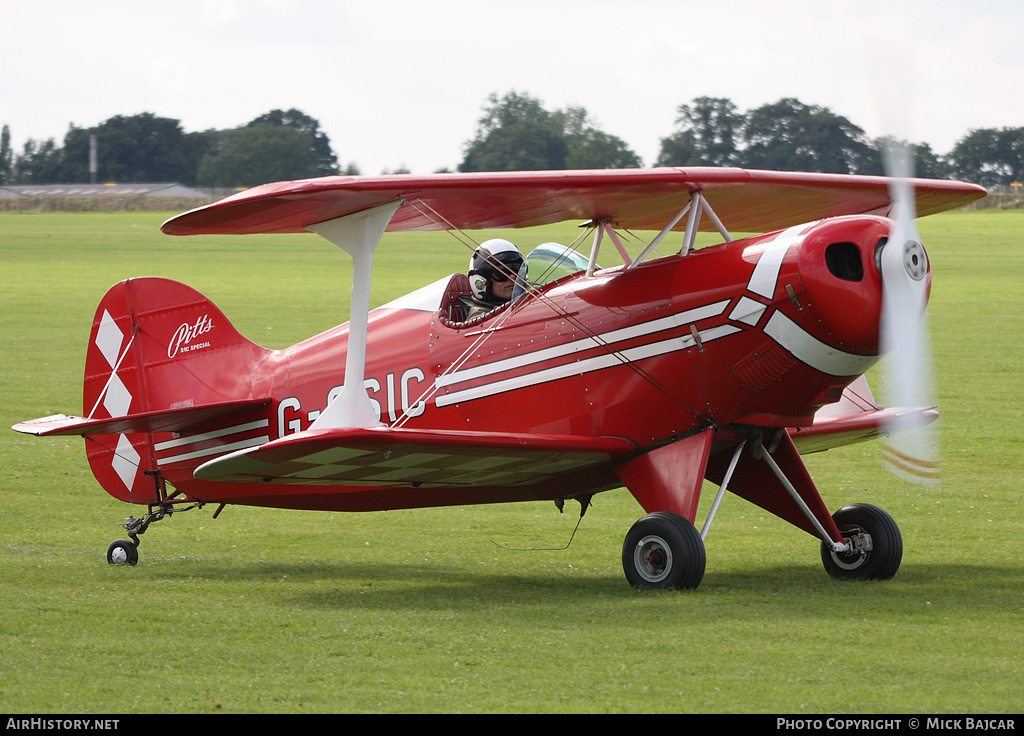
{"points": [[435, 611]]}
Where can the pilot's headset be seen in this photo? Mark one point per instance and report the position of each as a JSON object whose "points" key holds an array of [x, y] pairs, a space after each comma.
{"points": [[495, 259]]}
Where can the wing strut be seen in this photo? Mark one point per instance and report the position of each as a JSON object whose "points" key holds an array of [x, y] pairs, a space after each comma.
{"points": [[696, 207], [358, 234]]}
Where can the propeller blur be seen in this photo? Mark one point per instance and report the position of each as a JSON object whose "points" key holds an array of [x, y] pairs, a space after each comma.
{"points": [[911, 452]]}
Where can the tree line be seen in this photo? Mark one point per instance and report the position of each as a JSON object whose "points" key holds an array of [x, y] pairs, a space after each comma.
{"points": [[279, 145], [515, 133]]}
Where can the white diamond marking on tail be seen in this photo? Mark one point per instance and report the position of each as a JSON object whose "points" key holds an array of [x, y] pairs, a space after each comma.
{"points": [[118, 399], [126, 461], [109, 339]]}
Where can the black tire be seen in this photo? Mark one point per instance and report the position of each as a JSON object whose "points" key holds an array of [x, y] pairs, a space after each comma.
{"points": [[880, 562], [663, 550], [122, 552]]}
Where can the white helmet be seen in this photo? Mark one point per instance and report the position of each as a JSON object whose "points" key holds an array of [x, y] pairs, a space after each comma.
{"points": [[495, 259]]}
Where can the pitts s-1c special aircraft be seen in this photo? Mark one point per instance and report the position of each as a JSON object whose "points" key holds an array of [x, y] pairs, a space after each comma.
{"points": [[723, 363]]}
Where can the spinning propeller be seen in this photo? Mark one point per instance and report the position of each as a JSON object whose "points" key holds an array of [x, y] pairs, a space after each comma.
{"points": [[911, 451], [911, 445]]}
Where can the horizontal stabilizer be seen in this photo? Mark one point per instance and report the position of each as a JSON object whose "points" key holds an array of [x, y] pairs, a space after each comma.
{"points": [[182, 419], [384, 456]]}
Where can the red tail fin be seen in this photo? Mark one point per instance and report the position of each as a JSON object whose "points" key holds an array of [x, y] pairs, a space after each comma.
{"points": [[157, 346]]}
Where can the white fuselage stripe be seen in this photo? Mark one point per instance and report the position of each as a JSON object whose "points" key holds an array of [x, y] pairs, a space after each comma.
{"points": [[193, 438], [587, 365], [215, 450], [587, 343], [808, 349], [766, 272]]}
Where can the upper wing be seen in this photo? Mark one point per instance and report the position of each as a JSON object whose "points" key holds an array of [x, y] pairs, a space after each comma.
{"points": [[383, 456], [639, 199]]}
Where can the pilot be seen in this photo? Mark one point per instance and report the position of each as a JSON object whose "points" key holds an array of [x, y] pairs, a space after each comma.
{"points": [[492, 276]]}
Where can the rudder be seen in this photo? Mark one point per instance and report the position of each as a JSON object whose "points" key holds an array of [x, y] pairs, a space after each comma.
{"points": [[156, 345]]}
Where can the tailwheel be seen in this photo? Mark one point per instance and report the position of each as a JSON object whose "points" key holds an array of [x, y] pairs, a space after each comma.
{"points": [[876, 545], [126, 551], [663, 550], [123, 552]]}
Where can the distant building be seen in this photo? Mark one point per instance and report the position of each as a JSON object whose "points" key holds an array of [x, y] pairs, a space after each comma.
{"points": [[173, 191], [105, 197]]}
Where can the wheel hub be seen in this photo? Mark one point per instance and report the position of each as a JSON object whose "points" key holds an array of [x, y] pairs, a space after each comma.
{"points": [[860, 548], [653, 558]]}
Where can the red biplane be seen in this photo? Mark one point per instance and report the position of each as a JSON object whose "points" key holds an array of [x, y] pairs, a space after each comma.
{"points": [[723, 363]]}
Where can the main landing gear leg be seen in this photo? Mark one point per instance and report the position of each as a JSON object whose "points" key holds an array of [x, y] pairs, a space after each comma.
{"points": [[871, 546], [858, 541]]}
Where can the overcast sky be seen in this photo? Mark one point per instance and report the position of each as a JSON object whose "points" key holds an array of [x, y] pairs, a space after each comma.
{"points": [[402, 84]]}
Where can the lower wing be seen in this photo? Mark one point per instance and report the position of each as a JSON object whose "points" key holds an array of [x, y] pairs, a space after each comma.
{"points": [[856, 418], [383, 456]]}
